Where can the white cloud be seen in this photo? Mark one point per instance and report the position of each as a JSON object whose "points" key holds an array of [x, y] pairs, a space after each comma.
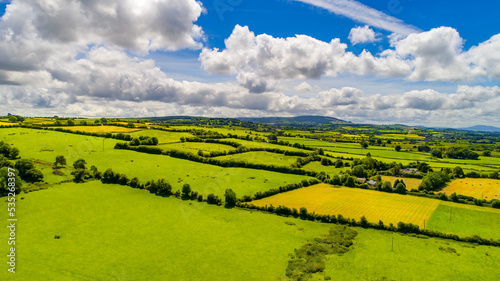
{"points": [[364, 14], [365, 34], [303, 87]]}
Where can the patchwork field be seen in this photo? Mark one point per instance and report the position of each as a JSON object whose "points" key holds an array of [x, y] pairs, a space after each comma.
{"points": [[479, 188], [410, 182], [99, 129], [111, 232], [355, 203], [162, 136], [261, 157], [330, 170], [203, 178]]}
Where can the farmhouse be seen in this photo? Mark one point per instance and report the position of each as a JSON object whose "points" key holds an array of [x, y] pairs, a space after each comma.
{"points": [[361, 180], [372, 183], [411, 171]]}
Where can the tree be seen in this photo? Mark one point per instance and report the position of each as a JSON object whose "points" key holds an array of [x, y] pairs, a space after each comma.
{"points": [[81, 175], [79, 164], [437, 153], [424, 167], [134, 183], [154, 140], [303, 213], [23, 166], [12, 119], [186, 190], [104, 120], [359, 171], [13, 153], [33, 175], [387, 186], [458, 172], [60, 160], [7, 185], [400, 188], [398, 147], [163, 187], [71, 122], [364, 144], [230, 197], [487, 153], [123, 180]]}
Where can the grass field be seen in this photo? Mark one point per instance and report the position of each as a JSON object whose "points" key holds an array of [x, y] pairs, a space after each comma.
{"points": [[330, 170], [372, 258], [261, 157], [99, 129], [111, 232], [410, 182], [203, 178], [466, 220], [479, 188], [193, 147], [162, 136], [354, 203]]}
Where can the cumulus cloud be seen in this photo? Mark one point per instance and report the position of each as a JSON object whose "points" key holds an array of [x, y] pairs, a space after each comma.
{"points": [[303, 87], [435, 55], [364, 14], [365, 34]]}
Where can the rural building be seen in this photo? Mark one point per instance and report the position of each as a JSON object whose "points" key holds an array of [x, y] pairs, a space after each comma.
{"points": [[372, 183], [362, 180]]}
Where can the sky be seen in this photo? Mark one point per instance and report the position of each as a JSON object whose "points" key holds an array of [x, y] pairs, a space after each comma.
{"points": [[430, 63]]}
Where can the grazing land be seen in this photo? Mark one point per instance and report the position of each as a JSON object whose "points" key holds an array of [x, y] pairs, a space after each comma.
{"points": [[105, 230], [355, 203], [466, 220], [99, 129], [478, 188], [261, 157]]}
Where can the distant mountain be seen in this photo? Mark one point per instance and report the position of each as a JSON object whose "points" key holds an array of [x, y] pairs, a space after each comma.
{"points": [[482, 128], [296, 121]]}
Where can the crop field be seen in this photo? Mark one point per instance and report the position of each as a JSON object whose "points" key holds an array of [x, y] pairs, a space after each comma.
{"points": [[380, 255], [261, 157], [193, 147], [259, 144], [466, 220], [355, 203], [401, 136], [99, 129], [111, 232], [479, 188], [203, 178], [410, 182]]}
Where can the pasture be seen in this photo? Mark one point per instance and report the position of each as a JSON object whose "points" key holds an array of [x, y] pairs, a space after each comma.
{"points": [[374, 258], [466, 220], [410, 182], [478, 188], [330, 170], [111, 232], [261, 157], [98, 129], [203, 178], [162, 136], [355, 203], [193, 147]]}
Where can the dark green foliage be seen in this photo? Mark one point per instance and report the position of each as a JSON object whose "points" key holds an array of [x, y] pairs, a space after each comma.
{"points": [[5, 188], [23, 166], [213, 199], [433, 180], [230, 197], [60, 160], [79, 164], [33, 175], [186, 191], [123, 180], [461, 153], [81, 175], [398, 148], [134, 183], [400, 188], [437, 153], [310, 258]]}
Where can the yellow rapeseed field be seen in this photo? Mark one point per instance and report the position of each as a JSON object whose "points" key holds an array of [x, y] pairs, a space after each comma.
{"points": [[410, 182], [100, 129], [354, 203], [479, 188]]}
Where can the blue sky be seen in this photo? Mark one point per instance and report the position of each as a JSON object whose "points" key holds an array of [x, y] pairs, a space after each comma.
{"points": [[397, 61]]}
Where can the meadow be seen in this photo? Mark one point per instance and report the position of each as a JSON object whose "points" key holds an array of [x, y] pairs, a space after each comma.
{"points": [[355, 203], [203, 178], [466, 220], [98, 129], [261, 157], [478, 188], [380, 255], [111, 232], [194, 147]]}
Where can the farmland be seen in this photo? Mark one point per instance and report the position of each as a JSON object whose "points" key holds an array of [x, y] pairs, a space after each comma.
{"points": [[355, 203], [478, 188], [93, 219]]}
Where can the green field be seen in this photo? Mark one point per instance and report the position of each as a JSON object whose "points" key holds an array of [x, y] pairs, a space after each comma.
{"points": [[261, 157], [466, 220], [111, 232], [372, 258], [330, 170], [194, 147], [203, 178], [162, 136]]}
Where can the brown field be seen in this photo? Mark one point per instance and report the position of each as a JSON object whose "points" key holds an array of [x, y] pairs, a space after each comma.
{"points": [[410, 182], [354, 203], [100, 129], [479, 188]]}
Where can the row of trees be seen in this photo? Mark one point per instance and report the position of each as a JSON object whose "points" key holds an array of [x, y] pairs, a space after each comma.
{"points": [[363, 222]]}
